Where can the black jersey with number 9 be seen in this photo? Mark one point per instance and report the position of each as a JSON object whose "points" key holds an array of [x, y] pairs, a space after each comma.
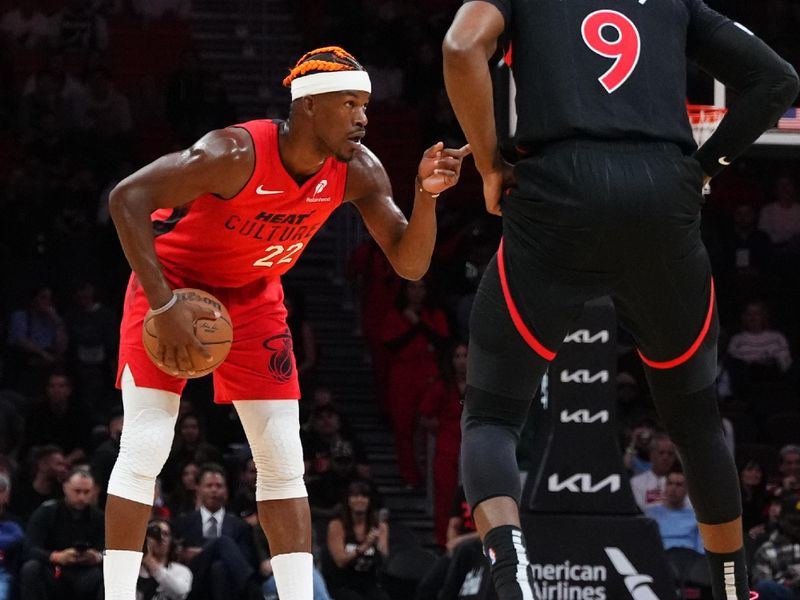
{"points": [[607, 69]]}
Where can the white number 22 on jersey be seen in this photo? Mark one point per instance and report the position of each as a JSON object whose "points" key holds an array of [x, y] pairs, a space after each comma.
{"points": [[273, 252], [624, 49]]}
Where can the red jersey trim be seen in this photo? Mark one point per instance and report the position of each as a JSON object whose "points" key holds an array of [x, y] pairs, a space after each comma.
{"points": [[516, 317], [670, 364]]}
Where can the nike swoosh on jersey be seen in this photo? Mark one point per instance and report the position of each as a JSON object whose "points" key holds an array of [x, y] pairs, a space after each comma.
{"points": [[723, 160], [262, 192]]}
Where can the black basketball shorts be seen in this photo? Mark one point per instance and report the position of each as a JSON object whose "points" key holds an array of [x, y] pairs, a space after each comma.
{"points": [[590, 219]]}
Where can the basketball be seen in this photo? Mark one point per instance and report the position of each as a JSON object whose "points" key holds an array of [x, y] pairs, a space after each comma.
{"points": [[216, 336]]}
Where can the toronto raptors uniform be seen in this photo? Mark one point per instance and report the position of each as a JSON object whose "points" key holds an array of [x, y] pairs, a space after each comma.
{"points": [[237, 249]]}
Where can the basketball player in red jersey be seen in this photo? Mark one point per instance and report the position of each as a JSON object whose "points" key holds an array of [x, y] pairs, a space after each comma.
{"points": [[230, 215]]}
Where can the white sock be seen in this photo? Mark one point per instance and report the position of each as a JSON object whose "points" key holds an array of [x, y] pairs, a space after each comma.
{"points": [[120, 573], [293, 575]]}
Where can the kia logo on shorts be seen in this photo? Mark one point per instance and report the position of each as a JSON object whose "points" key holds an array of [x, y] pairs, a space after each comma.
{"points": [[584, 336], [584, 376], [583, 415]]}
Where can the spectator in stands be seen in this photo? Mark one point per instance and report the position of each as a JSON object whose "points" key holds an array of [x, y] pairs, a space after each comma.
{"points": [[183, 497], [64, 544], [461, 531], [105, 455], [61, 420], [648, 487], [27, 26], [50, 469], [754, 494], [38, 339], [775, 568], [11, 538], [217, 544], [637, 449], [93, 333], [326, 491], [161, 576], [751, 248], [415, 332], [677, 522], [189, 446], [440, 411], [758, 352], [357, 543], [80, 27], [789, 471], [325, 434], [780, 219]]}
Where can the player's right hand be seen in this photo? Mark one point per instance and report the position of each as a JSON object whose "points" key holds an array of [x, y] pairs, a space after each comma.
{"points": [[495, 182], [178, 346]]}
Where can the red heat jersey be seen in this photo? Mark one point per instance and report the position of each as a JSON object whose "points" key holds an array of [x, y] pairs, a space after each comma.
{"points": [[260, 232]]}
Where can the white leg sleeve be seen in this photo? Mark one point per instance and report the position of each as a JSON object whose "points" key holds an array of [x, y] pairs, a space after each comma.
{"points": [[147, 432], [273, 430]]}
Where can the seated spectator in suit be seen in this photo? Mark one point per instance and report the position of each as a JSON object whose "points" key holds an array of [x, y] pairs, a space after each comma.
{"points": [[357, 545], [49, 471], [217, 545], [64, 544], [648, 487], [775, 568], [161, 577], [11, 538], [677, 523]]}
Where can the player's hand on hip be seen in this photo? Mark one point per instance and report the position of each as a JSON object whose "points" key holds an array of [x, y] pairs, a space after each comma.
{"points": [[440, 167], [495, 182], [178, 347]]}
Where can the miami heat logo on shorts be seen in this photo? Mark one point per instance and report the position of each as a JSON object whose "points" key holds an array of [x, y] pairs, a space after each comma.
{"points": [[280, 364]]}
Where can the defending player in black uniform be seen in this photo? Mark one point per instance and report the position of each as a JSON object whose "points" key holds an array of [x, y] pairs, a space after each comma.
{"points": [[606, 202]]}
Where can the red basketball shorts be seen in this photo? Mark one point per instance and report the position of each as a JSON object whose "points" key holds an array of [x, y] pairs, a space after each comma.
{"points": [[261, 363]]}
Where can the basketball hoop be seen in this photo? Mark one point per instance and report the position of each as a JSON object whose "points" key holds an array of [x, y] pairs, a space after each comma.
{"points": [[704, 120]]}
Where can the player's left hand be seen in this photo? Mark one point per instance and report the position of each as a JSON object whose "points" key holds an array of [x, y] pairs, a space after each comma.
{"points": [[440, 167]]}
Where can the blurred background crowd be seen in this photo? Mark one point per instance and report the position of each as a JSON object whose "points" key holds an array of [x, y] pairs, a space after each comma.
{"points": [[93, 89]]}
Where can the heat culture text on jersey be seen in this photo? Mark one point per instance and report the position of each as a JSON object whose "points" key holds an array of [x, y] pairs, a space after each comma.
{"points": [[273, 227]]}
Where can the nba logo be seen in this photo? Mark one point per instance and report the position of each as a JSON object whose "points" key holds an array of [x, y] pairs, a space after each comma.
{"points": [[320, 186], [492, 556]]}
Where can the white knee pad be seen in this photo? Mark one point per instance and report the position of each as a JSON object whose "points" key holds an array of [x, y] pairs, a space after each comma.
{"points": [[273, 430], [147, 432]]}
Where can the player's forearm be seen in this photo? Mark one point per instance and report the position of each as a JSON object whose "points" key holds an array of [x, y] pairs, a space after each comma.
{"points": [[765, 85], [469, 86], [131, 217], [411, 256]]}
